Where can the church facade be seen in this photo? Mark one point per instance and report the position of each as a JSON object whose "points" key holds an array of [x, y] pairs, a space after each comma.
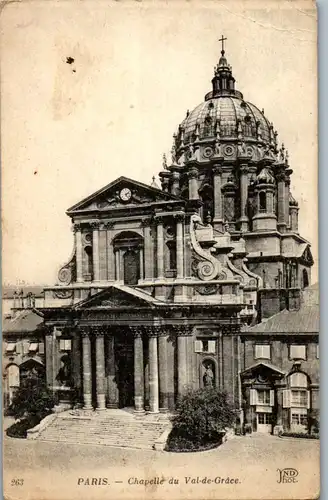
{"points": [[161, 279]]}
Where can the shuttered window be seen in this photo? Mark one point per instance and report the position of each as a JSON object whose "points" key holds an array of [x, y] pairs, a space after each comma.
{"points": [[41, 348], [262, 351], [33, 347], [286, 398], [65, 344], [206, 346], [297, 351], [299, 398], [11, 346]]}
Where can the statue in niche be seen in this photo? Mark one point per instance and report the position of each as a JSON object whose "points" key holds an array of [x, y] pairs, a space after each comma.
{"points": [[64, 373], [208, 377]]}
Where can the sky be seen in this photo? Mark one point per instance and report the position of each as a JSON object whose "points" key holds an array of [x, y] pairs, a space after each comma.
{"points": [[69, 129]]}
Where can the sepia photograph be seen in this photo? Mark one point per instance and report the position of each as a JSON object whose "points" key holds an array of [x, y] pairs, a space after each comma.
{"points": [[160, 291]]}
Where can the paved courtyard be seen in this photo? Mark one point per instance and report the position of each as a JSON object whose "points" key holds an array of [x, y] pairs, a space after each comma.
{"points": [[243, 467]]}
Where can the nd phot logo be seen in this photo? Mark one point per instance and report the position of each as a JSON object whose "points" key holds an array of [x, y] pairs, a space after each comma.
{"points": [[287, 475]]}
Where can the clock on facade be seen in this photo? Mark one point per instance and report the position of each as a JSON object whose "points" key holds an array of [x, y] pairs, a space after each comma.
{"points": [[125, 194]]}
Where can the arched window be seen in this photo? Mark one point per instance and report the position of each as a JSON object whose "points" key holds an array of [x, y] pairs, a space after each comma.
{"points": [[128, 248], [305, 278], [88, 262], [298, 379], [172, 254], [263, 201]]}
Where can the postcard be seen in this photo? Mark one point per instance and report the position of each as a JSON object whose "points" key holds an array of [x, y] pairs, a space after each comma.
{"points": [[160, 250]]}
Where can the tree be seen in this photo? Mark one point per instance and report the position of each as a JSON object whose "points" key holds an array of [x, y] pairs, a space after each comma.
{"points": [[32, 398], [203, 415]]}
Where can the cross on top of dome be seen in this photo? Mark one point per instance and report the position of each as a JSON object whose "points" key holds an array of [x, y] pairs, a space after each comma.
{"points": [[222, 39]]}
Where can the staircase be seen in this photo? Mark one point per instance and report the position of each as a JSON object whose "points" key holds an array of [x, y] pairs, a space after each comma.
{"points": [[109, 427]]}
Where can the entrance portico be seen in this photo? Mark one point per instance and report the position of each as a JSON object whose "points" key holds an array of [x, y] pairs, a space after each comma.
{"points": [[117, 377], [125, 348]]}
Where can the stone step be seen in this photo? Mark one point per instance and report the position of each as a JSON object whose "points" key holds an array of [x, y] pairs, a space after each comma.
{"points": [[118, 428]]}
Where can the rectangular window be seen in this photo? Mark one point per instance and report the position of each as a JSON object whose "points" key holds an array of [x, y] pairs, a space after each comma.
{"points": [[297, 352], [11, 346], [263, 397], [265, 418], [262, 351], [299, 398], [33, 347], [206, 346], [65, 344], [299, 419]]}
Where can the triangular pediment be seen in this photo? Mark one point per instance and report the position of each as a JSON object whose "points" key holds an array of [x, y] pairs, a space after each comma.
{"points": [[118, 296], [121, 193], [260, 367]]}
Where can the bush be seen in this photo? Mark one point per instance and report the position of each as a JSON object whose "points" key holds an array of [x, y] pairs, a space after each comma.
{"points": [[32, 398], [299, 435], [200, 421], [19, 429]]}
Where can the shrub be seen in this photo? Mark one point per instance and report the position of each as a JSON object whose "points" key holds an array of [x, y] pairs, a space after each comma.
{"points": [[19, 429], [201, 419], [32, 398], [299, 435]]}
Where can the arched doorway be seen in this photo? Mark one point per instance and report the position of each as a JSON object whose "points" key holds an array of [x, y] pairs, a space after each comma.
{"points": [[129, 257]]}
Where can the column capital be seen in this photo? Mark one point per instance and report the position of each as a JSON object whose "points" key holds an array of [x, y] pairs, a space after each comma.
{"points": [[281, 176], [95, 224], [145, 221], [77, 226], [193, 173], [84, 331], [136, 331], [243, 168], [109, 224], [182, 330], [217, 169], [99, 330], [180, 217], [159, 219]]}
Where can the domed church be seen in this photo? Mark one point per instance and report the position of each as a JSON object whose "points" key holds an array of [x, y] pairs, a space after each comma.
{"points": [[161, 280]]}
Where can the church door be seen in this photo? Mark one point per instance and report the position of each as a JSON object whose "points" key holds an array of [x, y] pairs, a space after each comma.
{"points": [[125, 371], [131, 267]]}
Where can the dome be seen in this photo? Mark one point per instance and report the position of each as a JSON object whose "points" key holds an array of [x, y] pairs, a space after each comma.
{"points": [[229, 111]]}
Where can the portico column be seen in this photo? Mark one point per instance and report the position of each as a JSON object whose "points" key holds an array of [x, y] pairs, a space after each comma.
{"points": [[153, 373], [182, 360], [100, 369], [78, 247], [87, 375], [95, 250], [160, 248], [112, 391], [243, 197], [163, 375], [218, 218], [179, 245], [138, 372]]}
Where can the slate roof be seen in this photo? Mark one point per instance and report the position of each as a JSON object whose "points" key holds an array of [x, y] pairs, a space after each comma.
{"points": [[305, 320], [26, 321]]}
